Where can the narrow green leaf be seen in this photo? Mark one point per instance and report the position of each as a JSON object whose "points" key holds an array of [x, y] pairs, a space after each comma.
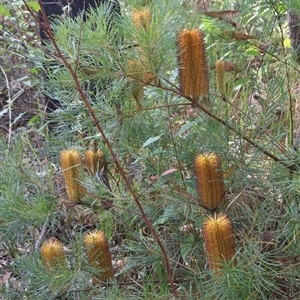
{"points": [[151, 140]]}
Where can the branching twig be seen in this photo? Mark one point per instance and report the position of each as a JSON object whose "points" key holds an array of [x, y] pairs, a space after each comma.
{"points": [[291, 167], [108, 144], [42, 234]]}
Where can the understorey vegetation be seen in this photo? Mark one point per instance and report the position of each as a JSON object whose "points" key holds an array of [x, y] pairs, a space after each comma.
{"points": [[169, 170]]}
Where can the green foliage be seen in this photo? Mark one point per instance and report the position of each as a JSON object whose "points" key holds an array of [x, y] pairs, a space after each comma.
{"points": [[153, 141], [19, 94]]}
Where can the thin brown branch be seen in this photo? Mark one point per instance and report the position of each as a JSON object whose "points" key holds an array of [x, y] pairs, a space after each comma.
{"points": [[291, 167], [109, 146]]}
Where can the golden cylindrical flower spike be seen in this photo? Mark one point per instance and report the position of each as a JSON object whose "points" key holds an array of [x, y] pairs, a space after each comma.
{"points": [[219, 240], [94, 161], [52, 254], [142, 18], [209, 178], [71, 164], [193, 73], [136, 71], [220, 76], [98, 255]]}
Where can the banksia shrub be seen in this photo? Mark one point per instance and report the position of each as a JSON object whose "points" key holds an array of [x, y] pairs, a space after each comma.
{"points": [[52, 254], [209, 178], [219, 240], [193, 74], [98, 255], [71, 164], [94, 161], [142, 18], [220, 76]]}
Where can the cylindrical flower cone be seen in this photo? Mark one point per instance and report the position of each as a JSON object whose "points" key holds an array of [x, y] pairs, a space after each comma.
{"points": [[52, 254], [220, 76], [94, 161], [71, 164], [136, 71], [98, 255], [209, 178], [142, 18], [193, 73], [219, 240]]}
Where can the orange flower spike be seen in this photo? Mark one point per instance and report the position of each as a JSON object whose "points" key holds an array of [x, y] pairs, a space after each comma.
{"points": [[94, 161], [52, 254], [98, 255], [193, 73], [100, 160], [142, 18], [219, 240], [209, 178], [90, 161], [71, 166], [136, 71]]}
